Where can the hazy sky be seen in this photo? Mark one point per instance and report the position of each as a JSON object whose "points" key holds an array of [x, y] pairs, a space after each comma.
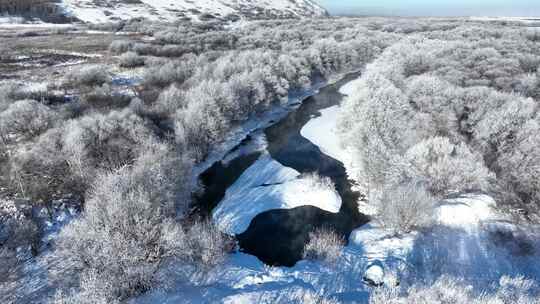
{"points": [[434, 7]]}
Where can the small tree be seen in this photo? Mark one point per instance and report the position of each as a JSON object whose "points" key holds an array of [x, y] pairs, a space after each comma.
{"points": [[405, 207]]}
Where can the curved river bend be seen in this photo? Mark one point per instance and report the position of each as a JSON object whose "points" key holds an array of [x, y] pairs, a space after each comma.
{"points": [[277, 237]]}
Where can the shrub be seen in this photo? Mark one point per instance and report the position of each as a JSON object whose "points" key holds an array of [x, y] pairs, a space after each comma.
{"points": [[206, 246], [122, 238], [26, 119], [128, 230], [118, 47], [101, 141], [304, 297], [324, 245], [131, 60], [42, 173], [88, 76], [447, 167], [103, 97], [405, 207], [18, 234], [7, 94], [170, 100], [94, 290]]}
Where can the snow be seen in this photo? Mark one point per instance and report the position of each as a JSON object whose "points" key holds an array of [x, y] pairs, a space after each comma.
{"points": [[323, 132], [268, 185], [466, 211], [170, 10], [374, 274], [350, 87]]}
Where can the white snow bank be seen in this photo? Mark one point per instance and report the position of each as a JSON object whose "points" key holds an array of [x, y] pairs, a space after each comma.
{"points": [[378, 243], [350, 87], [322, 132], [466, 211], [245, 279], [268, 185]]}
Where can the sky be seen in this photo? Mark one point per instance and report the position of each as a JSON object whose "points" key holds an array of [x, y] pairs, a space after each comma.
{"points": [[520, 8]]}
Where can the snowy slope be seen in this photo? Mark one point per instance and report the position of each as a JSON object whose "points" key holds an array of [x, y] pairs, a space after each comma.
{"points": [[110, 10]]}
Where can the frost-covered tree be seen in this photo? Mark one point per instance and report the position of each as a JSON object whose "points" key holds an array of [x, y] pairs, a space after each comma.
{"points": [[405, 207], [446, 167]]}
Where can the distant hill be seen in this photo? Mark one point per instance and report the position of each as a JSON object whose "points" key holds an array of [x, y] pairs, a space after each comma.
{"points": [[95, 11]]}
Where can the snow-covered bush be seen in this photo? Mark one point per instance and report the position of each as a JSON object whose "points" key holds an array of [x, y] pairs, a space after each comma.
{"points": [[101, 141], [131, 60], [317, 181], [118, 47], [405, 207], [125, 233], [26, 119], [7, 90], [88, 76], [42, 172], [103, 97], [324, 245], [447, 167], [206, 246], [170, 100]]}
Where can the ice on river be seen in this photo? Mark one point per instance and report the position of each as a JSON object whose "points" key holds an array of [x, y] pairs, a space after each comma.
{"points": [[268, 185]]}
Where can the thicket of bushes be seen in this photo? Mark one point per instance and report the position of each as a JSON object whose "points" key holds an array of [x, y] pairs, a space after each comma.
{"points": [[454, 112]]}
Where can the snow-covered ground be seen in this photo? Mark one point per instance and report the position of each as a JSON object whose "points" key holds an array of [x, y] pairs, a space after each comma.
{"points": [[349, 88], [466, 243], [89, 11], [268, 185]]}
